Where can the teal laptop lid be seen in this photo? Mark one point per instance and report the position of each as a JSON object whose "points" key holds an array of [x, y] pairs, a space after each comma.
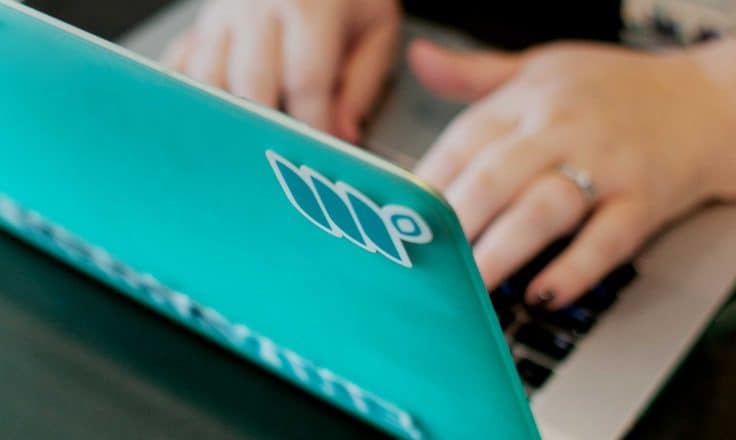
{"points": [[335, 270]]}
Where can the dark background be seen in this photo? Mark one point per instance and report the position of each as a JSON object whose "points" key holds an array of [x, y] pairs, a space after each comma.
{"points": [[510, 24], [106, 18], [517, 24], [81, 361]]}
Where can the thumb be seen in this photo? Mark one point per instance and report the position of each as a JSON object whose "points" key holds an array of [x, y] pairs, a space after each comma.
{"points": [[461, 75]]}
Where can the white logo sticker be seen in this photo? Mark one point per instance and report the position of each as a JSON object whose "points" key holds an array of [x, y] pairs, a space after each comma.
{"points": [[345, 212]]}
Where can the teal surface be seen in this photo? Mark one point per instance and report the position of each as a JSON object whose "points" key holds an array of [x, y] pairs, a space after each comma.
{"points": [[174, 181]]}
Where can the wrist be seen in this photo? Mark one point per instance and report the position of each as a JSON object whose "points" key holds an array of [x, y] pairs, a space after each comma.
{"points": [[717, 62]]}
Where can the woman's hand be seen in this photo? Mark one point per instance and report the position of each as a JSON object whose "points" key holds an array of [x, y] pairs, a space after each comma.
{"points": [[325, 60], [655, 133]]}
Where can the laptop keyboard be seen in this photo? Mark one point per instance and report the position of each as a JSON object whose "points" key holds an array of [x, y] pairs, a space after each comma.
{"points": [[540, 339]]}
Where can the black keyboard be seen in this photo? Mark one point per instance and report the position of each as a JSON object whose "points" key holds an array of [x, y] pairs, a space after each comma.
{"points": [[540, 339]]}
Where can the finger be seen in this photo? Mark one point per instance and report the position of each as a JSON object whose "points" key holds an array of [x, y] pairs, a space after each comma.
{"points": [[365, 70], [312, 39], [497, 175], [611, 237], [254, 67], [178, 52], [462, 75], [470, 132], [551, 207], [208, 61]]}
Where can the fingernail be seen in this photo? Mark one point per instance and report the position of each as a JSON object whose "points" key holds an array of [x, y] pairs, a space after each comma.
{"points": [[344, 124], [544, 298], [352, 132]]}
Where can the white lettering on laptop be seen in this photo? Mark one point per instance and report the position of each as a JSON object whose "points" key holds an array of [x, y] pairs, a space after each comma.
{"points": [[260, 349]]}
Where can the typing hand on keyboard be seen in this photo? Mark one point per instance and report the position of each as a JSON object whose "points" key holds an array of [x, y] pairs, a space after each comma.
{"points": [[540, 338], [611, 141], [324, 60]]}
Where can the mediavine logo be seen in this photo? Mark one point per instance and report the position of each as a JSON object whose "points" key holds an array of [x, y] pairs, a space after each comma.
{"points": [[343, 211]]}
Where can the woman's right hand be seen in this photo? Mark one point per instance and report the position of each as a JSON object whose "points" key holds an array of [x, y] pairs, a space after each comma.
{"points": [[324, 60]]}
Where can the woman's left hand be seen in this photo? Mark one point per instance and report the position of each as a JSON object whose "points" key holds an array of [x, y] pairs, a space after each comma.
{"points": [[655, 134]]}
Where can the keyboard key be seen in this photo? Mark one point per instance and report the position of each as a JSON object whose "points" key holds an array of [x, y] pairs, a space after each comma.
{"points": [[572, 318], [550, 253], [605, 293], [556, 344], [512, 291], [506, 317], [532, 373], [666, 26], [621, 277], [598, 300], [706, 35], [506, 295]]}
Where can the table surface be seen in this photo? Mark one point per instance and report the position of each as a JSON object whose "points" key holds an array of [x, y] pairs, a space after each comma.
{"points": [[81, 361]]}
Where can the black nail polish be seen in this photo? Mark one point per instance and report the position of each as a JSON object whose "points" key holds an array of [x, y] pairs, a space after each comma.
{"points": [[545, 297]]}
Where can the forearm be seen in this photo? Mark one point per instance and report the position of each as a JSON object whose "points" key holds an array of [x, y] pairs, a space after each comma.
{"points": [[718, 61]]}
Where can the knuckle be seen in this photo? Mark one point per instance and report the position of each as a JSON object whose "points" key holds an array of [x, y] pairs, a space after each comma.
{"points": [[485, 177], [610, 247], [487, 170], [566, 193], [464, 124], [559, 114], [309, 81], [453, 157], [549, 196], [506, 155], [250, 77], [541, 211], [637, 173], [569, 194], [521, 147]]}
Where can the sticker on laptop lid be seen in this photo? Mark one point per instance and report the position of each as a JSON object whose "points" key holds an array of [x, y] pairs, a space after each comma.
{"points": [[344, 212]]}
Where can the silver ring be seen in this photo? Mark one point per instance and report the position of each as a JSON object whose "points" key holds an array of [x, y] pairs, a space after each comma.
{"points": [[582, 179]]}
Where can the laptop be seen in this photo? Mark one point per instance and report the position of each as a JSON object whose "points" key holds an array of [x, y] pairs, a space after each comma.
{"points": [[332, 268]]}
